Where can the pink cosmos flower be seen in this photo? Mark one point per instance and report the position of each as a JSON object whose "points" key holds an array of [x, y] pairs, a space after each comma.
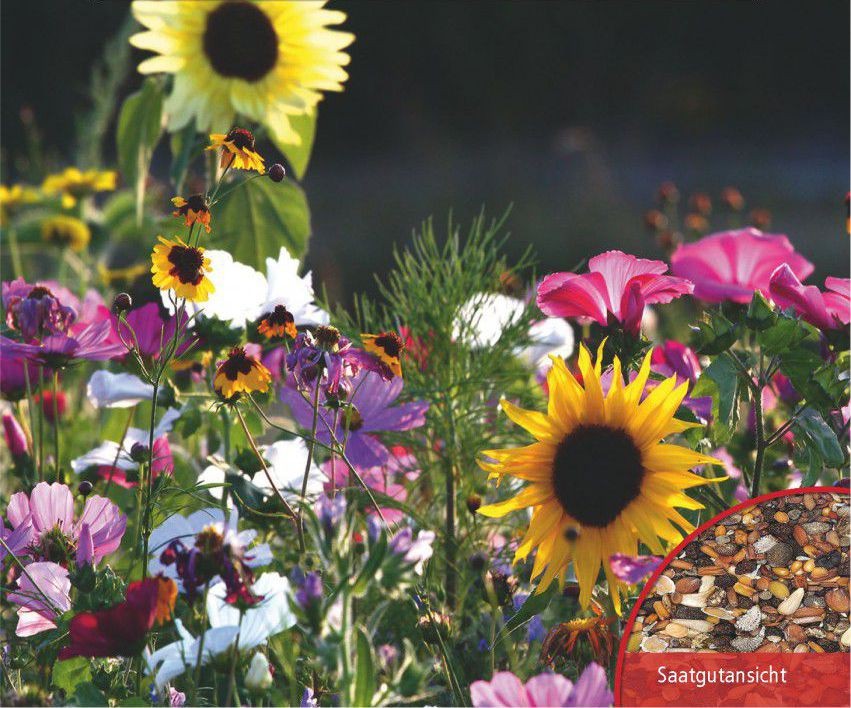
{"points": [[151, 330], [825, 310], [56, 536], [616, 287], [43, 595], [505, 689], [732, 265]]}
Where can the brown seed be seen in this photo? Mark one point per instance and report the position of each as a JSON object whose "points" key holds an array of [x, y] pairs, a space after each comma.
{"points": [[838, 600], [661, 610], [687, 585], [744, 590], [799, 535], [809, 501], [781, 517], [763, 583]]}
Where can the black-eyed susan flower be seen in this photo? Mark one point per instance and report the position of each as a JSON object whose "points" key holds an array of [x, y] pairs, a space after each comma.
{"points": [[387, 347], [194, 210], [66, 231], [268, 61], [562, 639], [237, 150], [13, 198], [74, 184], [240, 373], [182, 268], [277, 323], [600, 479]]}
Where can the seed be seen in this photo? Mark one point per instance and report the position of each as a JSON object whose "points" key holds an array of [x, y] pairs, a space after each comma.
{"points": [[749, 621], [809, 501], [782, 517], [781, 572], [661, 610], [800, 535], [664, 585], [819, 573], [719, 613], [801, 649], [695, 625], [811, 550], [687, 585], [838, 600], [653, 644], [845, 639], [720, 530], [675, 630], [744, 590], [796, 566], [809, 566], [779, 590], [791, 603]]}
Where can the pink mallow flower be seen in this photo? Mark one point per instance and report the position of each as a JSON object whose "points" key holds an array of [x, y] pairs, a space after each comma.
{"points": [[616, 287], [825, 310], [732, 265], [505, 689], [43, 595]]}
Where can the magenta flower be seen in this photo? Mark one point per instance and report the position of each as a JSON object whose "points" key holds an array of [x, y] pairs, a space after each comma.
{"points": [[825, 310], [35, 310], [633, 569], [93, 342], [373, 411], [616, 288], [732, 265], [152, 332], [13, 380], [43, 595], [16, 441], [671, 358], [505, 689], [49, 511]]}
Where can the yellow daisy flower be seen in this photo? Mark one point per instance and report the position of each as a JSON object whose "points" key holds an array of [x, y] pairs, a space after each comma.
{"points": [[13, 198], [600, 479], [237, 150], [74, 184], [240, 373], [66, 231], [387, 347], [266, 60], [182, 268], [277, 323], [193, 210]]}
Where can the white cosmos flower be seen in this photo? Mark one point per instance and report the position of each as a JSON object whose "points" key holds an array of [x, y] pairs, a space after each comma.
{"points": [[552, 335], [108, 390], [258, 677], [286, 287], [271, 616], [481, 320]]}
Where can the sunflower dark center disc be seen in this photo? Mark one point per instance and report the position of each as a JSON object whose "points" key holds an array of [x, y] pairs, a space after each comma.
{"points": [[597, 472], [240, 41], [236, 363]]}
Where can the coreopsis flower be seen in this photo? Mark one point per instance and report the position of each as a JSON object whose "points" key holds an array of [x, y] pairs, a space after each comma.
{"points": [[277, 323], [617, 287], [600, 480], [238, 151], [43, 594], [387, 347], [825, 310], [182, 268], [505, 689], [13, 198], [194, 210], [284, 286], [267, 61], [66, 231], [35, 310], [240, 373], [122, 629], [74, 184], [732, 265]]}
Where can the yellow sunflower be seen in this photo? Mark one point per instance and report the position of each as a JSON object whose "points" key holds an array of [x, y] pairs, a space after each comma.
{"points": [[182, 268], [240, 373], [67, 231], [387, 347], [238, 150], [600, 479], [268, 61], [75, 184]]}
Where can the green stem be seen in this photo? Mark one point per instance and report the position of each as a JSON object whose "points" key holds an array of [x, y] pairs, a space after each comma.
{"points": [[232, 673], [308, 464], [200, 656], [56, 425], [41, 421], [31, 413], [759, 425], [17, 264]]}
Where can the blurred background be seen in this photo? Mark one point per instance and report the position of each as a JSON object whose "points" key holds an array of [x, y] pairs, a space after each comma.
{"points": [[572, 112]]}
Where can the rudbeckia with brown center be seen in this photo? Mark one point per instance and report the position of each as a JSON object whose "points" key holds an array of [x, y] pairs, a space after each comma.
{"points": [[67, 231], [387, 347], [193, 210], [600, 479], [238, 150], [277, 323], [240, 373], [182, 268]]}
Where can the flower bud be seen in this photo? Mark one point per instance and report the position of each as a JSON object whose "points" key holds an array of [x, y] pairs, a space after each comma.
{"points": [[474, 501], [478, 561], [121, 303], [258, 677], [84, 488], [761, 219], [139, 452], [277, 172], [701, 203], [16, 441]]}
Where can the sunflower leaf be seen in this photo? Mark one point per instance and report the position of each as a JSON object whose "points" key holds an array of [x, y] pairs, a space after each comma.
{"points": [[298, 156]]}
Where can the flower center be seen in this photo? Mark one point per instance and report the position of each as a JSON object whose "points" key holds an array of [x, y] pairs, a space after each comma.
{"points": [[243, 139], [237, 363], [39, 292], [196, 202], [391, 343], [187, 262], [597, 472], [240, 41], [279, 316], [209, 541], [328, 337]]}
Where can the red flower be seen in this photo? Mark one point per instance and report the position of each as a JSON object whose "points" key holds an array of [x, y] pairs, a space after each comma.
{"points": [[47, 404], [121, 630]]}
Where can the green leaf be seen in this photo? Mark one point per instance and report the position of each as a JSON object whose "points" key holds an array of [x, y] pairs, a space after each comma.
{"points": [[260, 216], [299, 155], [139, 128], [535, 604], [373, 563], [784, 334], [720, 380], [68, 674], [87, 694], [820, 438], [364, 671], [814, 467], [182, 144]]}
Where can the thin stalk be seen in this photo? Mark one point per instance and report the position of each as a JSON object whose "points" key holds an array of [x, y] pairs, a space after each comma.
{"points": [[308, 464], [198, 660], [232, 673], [56, 425], [17, 264], [31, 413], [118, 452], [759, 425], [149, 480], [41, 420]]}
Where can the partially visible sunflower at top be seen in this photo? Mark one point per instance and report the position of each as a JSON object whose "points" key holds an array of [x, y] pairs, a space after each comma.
{"points": [[183, 268], [268, 61], [240, 373], [194, 210], [73, 184], [600, 479]]}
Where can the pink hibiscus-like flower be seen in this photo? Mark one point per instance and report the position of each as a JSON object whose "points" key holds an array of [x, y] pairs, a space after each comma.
{"points": [[825, 310], [43, 594], [616, 287], [732, 265], [505, 689]]}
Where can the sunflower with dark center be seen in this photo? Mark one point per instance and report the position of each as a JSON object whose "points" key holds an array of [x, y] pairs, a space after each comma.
{"points": [[182, 268], [268, 60], [387, 347], [194, 210], [277, 323], [238, 150], [600, 477], [240, 373]]}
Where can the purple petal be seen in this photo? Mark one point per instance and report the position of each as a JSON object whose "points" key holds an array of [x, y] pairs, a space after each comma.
{"points": [[633, 569], [52, 505], [592, 688], [548, 690]]}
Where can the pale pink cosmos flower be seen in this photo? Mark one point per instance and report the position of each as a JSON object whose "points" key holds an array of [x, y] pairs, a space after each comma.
{"points": [[732, 265], [825, 310], [43, 595], [617, 287], [505, 689]]}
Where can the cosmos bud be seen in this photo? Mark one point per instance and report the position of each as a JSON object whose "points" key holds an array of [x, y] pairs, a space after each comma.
{"points": [[121, 303], [84, 488], [139, 452]]}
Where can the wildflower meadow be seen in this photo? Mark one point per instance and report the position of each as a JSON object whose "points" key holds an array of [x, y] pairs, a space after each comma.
{"points": [[223, 487]]}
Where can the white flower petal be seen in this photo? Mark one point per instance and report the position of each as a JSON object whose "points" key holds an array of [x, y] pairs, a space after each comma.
{"points": [[108, 390]]}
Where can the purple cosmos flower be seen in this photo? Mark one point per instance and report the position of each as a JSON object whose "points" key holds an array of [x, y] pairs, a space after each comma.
{"points": [[55, 535], [505, 689], [413, 551], [43, 595], [152, 332], [741, 492], [674, 358], [633, 569], [373, 411], [34, 310], [310, 590], [92, 342]]}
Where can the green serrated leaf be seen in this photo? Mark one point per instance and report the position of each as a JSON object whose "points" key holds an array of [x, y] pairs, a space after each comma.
{"points": [[364, 689], [534, 605], [819, 437], [68, 674], [720, 380], [254, 220], [299, 155], [139, 128], [784, 334]]}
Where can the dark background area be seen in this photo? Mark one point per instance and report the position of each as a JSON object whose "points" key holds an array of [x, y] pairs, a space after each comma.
{"points": [[573, 112]]}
